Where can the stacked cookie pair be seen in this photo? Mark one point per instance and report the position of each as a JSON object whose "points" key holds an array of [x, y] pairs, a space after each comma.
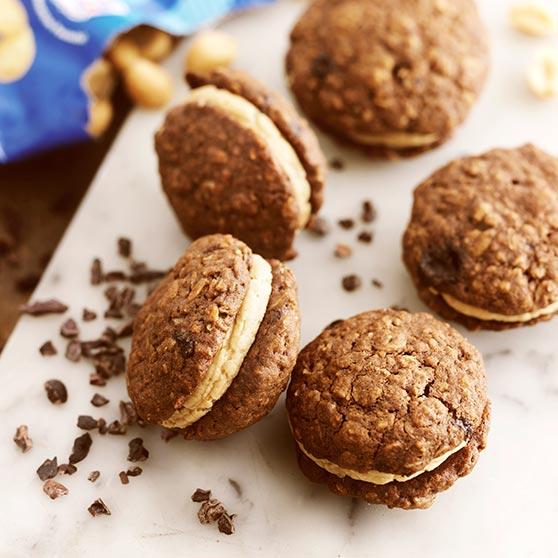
{"points": [[387, 406]]}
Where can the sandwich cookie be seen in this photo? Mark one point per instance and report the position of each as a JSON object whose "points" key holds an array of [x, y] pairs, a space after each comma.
{"points": [[482, 242], [215, 343], [389, 407], [392, 76], [236, 158]]}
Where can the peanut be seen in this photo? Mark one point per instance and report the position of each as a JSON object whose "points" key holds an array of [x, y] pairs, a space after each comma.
{"points": [[533, 19], [543, 74], [148, 84], [210, 50], [100, 117]]}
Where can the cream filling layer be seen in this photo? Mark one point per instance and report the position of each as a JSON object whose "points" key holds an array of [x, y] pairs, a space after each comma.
{"points": [[378, 477], [485, 315], [249, 116], [396, 140], [231, 355]]}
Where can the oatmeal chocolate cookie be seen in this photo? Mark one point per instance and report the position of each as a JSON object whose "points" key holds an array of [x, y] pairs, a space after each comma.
{"points": [[395, 77], [215, 343], [390, 407], [236, 158], [482, 242]]}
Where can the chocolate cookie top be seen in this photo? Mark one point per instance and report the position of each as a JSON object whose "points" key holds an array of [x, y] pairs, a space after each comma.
{"points": [[184, 322], [372, 67], [294, 128], [484, 230], [386, 391], [266, 369]]}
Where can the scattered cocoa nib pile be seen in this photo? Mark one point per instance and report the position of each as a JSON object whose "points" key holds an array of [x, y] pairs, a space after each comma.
{"points": [[108, 359], [318, 226], [213, 511]]}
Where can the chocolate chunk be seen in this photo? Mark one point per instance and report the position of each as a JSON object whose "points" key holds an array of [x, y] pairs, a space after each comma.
{"points": [[318, 226], [346, 223], [185, 343], [124, 247], [69, 329], [99, 400], [88, 315], [73, 350], [98, 507], [342, 251], [22, 439], [337, 164], [85, 422], [210, 511], [41, 308], [134, 472], [128, 415], [96, 276], [56, 391], [137, 451], [123, 477], [440, 265], [93, 476], [115, 427], [225, 524], [377, 283], [366, 237], [81, 447], [201, 495], [369, 213], [54, 489], [48, 469], [322, 65], [47, 349], [67, 469], [351, 282], [168, 434]]}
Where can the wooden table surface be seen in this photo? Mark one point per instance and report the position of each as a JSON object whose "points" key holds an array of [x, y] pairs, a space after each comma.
{"points": [[38, 197]]}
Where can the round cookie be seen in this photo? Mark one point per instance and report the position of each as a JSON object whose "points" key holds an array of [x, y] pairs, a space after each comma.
{"points": [[392, 76], [214, 344], [389, 407], [236, 158], [482, 242]]}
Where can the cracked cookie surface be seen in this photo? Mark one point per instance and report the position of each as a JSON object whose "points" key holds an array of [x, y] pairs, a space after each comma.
{"points": [[376, 67], [484, 230], [388, 391]]}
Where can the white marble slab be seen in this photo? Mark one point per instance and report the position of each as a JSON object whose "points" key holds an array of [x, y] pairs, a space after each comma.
{"points": [[507, 507]]}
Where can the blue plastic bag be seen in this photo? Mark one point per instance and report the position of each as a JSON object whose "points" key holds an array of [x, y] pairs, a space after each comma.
{"points": [[42, 102]]}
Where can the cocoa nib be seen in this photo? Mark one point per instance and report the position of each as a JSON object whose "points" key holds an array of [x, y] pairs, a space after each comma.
{"points": [[22, 439], [98, 507], [81, 447], [54, 489], [351, 282], [99, 400], [201, 495], [48, 469], [47, 349], [69, 329], [56, 391], [137, 451], [42, 308]]}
